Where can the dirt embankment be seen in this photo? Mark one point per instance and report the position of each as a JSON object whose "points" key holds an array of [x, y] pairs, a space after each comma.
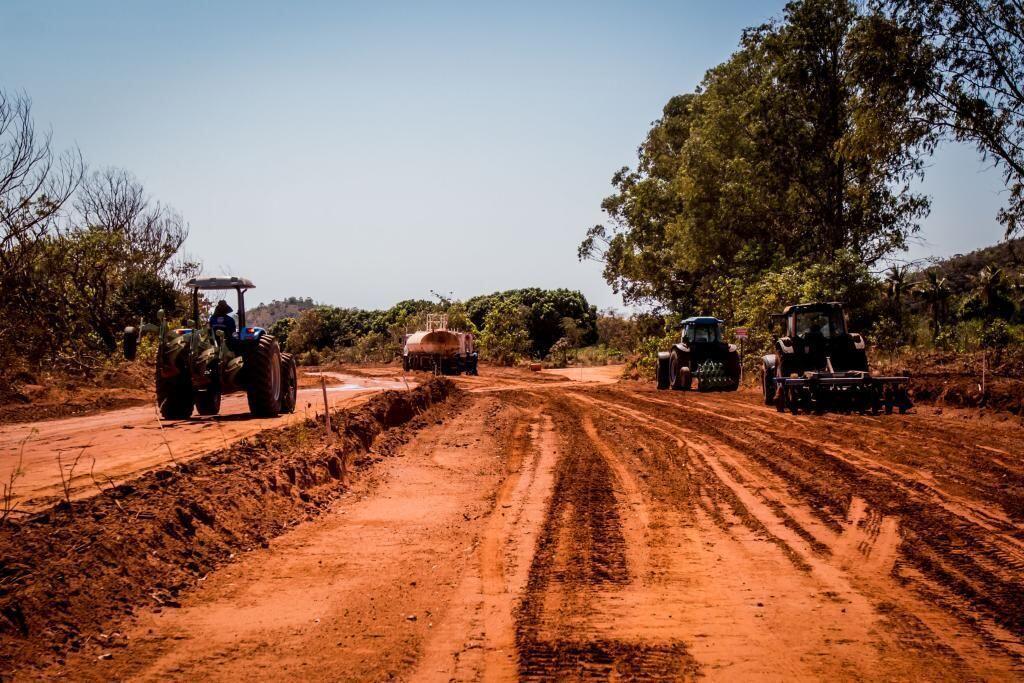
{"points": [[29, 397], [69, 575], [955, 379]]}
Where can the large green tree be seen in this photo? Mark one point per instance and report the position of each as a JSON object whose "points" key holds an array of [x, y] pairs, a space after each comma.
{"points": [[976, 93], [546, 309], [802, 146]]}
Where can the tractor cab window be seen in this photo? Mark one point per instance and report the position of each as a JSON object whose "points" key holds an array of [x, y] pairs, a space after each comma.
{"points": [[702, 333], [819, 323]]}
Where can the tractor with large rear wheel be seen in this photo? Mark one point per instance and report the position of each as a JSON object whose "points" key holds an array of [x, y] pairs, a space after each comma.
{"points": [[701, 356], [197, 364], [819, 365]]}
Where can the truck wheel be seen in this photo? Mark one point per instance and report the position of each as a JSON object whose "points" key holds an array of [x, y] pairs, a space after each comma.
{"points": [[263, 378], [174, 395], [664, 372], [405, 363], [289, 383]]}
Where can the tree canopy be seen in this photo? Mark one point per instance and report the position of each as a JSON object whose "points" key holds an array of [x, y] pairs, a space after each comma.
{"points": [[801, 147], [973, 51]]}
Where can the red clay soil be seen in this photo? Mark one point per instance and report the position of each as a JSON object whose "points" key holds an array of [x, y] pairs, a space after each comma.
{"points": [[29, 398], [552, 529], [955, 379], [65, 575], [122, 444]]}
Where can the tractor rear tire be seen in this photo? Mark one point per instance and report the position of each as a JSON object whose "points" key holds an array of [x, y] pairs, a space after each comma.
{"points": [[664, 372], [263, 378], [768, 384], [289, 383], [174, 395], [682, 378]]}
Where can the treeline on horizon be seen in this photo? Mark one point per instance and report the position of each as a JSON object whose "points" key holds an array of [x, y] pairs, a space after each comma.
{"points": [[789, 174], [509, 325]]}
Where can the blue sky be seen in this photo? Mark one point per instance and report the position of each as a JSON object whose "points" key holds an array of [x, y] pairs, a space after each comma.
{"points": [[366, 153]]}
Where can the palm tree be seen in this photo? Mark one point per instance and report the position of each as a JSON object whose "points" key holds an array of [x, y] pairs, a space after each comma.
{"points": [[935, 292], [896, 286], [993, 291]]}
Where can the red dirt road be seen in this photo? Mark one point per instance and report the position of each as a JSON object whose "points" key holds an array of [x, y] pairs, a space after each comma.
{"points": [[557, 529], [128, 442]]}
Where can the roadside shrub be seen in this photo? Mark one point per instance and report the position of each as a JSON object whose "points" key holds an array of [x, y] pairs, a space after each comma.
{"points": [[558, 356], [996, 335], [598, 355], [311, 357]]}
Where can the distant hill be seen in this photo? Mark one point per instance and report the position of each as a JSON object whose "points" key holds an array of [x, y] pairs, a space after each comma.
{"points": [[266, 315], [959, 270]]}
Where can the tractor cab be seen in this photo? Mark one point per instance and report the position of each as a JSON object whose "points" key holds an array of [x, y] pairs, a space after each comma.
{"points": [[701, 330], [243, 335], [815, 336]]}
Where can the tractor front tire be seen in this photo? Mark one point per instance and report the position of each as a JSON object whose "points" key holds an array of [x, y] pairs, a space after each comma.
{"points": [[289, 383], [263, 378], [174, 396], [208, 402]]}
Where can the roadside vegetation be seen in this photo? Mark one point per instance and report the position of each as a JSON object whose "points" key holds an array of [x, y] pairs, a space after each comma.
{"points": [[510, 326], [788, 175], [82, 253]]}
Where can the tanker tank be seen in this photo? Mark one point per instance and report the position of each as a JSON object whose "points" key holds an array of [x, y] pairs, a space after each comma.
{"points": [[440, 350]]}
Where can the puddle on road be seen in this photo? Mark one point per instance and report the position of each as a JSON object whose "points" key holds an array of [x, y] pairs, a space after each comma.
{"points": [[361, 384], [870, 539]]}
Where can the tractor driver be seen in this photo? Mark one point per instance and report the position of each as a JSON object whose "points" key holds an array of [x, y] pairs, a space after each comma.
{"points": [[220, 320]]}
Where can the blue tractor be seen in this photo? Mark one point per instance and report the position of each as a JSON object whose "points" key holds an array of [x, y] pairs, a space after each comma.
{"points": [[198, 363], [702, 355]]}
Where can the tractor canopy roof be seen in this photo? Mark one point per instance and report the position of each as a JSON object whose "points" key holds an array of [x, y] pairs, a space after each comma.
{"points": [[219, 282], [817, 306], [702, 320]]}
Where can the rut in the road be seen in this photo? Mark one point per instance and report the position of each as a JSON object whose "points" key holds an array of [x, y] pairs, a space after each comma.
{"points": [[960, 556], [582, 549]]}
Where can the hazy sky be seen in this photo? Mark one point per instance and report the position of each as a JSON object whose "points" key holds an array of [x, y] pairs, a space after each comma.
{"points": [[366, 153]]}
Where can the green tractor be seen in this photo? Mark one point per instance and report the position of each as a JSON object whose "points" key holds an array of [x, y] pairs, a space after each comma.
{"points": [[198, 364], [701, 354]]}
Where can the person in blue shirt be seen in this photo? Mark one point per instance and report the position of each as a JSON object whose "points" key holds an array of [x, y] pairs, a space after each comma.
{"points": [[220, 320]]}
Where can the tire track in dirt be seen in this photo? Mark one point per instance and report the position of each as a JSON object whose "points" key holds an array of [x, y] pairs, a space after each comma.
{"points": [[870, 458], [477, 640], [807, 521], [1001, 547], [582, 557], [958, 457], [735, 636]]}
